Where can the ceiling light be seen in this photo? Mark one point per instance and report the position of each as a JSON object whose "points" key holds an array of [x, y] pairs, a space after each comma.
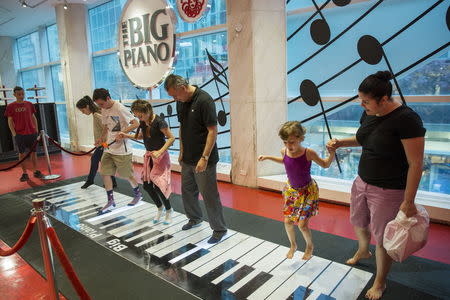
{"points": [[65, 5], [24, 4]]}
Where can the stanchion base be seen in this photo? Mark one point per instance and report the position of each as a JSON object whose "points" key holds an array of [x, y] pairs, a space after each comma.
{"points": [[51, 177]]}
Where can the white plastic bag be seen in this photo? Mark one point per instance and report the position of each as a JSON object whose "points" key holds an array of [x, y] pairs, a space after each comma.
{"points": [[403, 236]]}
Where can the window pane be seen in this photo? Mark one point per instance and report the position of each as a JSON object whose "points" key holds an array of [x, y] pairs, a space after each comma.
{"points": [[57, 84], [53, 42], [103, 22], [109, 75], [31, 78], [29, 50], [431, 77], [63, 125]]}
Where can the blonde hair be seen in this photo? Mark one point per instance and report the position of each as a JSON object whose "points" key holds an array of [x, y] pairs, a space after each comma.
{"points": [[144, 107], [290, 128]]}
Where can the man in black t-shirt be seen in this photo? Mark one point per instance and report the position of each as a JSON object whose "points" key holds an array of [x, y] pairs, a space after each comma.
{"points": [[198, 154]]}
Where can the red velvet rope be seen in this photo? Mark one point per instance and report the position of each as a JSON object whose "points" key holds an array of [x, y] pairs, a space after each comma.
{"points": [[32, 149], [67, 151], [22, 240], [68, 268]]}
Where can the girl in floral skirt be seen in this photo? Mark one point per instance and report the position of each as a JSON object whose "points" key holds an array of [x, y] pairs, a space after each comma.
{"points": [[301, 194]]}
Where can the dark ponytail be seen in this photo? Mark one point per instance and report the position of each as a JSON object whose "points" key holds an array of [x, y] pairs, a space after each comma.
{"points": [[377, 85], [86, 101]]}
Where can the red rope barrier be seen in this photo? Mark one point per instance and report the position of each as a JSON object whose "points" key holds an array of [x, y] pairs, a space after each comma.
{"points": [[22, 240], [68, 268], [32, 149], [67, 151]]}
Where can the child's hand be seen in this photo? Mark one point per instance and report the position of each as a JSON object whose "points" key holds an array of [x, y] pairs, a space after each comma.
{"points": [[331, 149], [261, 158], [332, 144]]}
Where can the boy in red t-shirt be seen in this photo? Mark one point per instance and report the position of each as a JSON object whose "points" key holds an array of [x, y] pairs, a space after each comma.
{"points": [[23, 125]]}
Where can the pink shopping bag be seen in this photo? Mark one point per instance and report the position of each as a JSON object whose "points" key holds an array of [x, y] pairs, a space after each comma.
{"points": [[403, 236]]}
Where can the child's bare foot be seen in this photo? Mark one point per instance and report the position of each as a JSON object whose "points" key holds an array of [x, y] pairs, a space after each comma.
{"points": [[308, 252], [291, 252], [358, 255], [376, 291]]}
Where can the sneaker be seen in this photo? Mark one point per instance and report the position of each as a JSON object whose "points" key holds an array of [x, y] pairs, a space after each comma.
{"points": [[135, 200], [168, 218], [105, 209], [216, 236], [38, 174], [87, 184], [24, 177], [190, 224]]}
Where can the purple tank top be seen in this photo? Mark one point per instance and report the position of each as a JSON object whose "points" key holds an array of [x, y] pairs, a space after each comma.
{"points": [[298, 170]]}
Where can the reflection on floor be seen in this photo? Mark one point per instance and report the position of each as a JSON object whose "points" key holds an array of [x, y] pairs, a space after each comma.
{"points": [[18, 280], [240, 266]]}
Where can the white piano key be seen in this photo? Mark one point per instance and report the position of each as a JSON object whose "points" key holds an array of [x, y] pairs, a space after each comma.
{"points": [[120, 201], [202, 245], [216, 250], [227, 273], [128, 215], [257, 253], [146, 222], [328, 280], [273, 259], [189, 240], [180, 235], [302, 277], [233, 253], [352, 285], [170, 231], [250, 258], [280, 274], [114, 213]]}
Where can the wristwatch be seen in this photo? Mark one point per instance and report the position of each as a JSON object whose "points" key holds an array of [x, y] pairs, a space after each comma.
{"points": [[205, 157]]}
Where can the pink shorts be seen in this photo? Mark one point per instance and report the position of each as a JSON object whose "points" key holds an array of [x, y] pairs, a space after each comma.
{"points": [[373, 206]]}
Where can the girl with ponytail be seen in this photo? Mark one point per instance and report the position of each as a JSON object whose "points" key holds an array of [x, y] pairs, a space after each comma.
{"points": [[156, 171], [88, 107]]}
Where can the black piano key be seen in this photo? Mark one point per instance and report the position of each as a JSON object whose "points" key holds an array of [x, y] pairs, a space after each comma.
{"points": [[106, 223], [252, 285], [141, 238], [190, 258], [51, 194], [216, 272], [178, 252], [93, 208], [235, 277], [154, 242], [136, 232], [70, 203], [120, 224], [63, 201]]}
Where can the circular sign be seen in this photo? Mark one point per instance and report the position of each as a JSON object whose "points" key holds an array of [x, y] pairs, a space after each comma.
{"points": [[191, 10], [146, 37]]}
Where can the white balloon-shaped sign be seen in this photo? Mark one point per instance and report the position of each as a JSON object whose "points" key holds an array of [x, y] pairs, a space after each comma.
{"points": [[146, 38]]}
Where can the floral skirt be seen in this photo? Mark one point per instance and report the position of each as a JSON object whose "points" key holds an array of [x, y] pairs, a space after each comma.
{"points": [[302, 203]]}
